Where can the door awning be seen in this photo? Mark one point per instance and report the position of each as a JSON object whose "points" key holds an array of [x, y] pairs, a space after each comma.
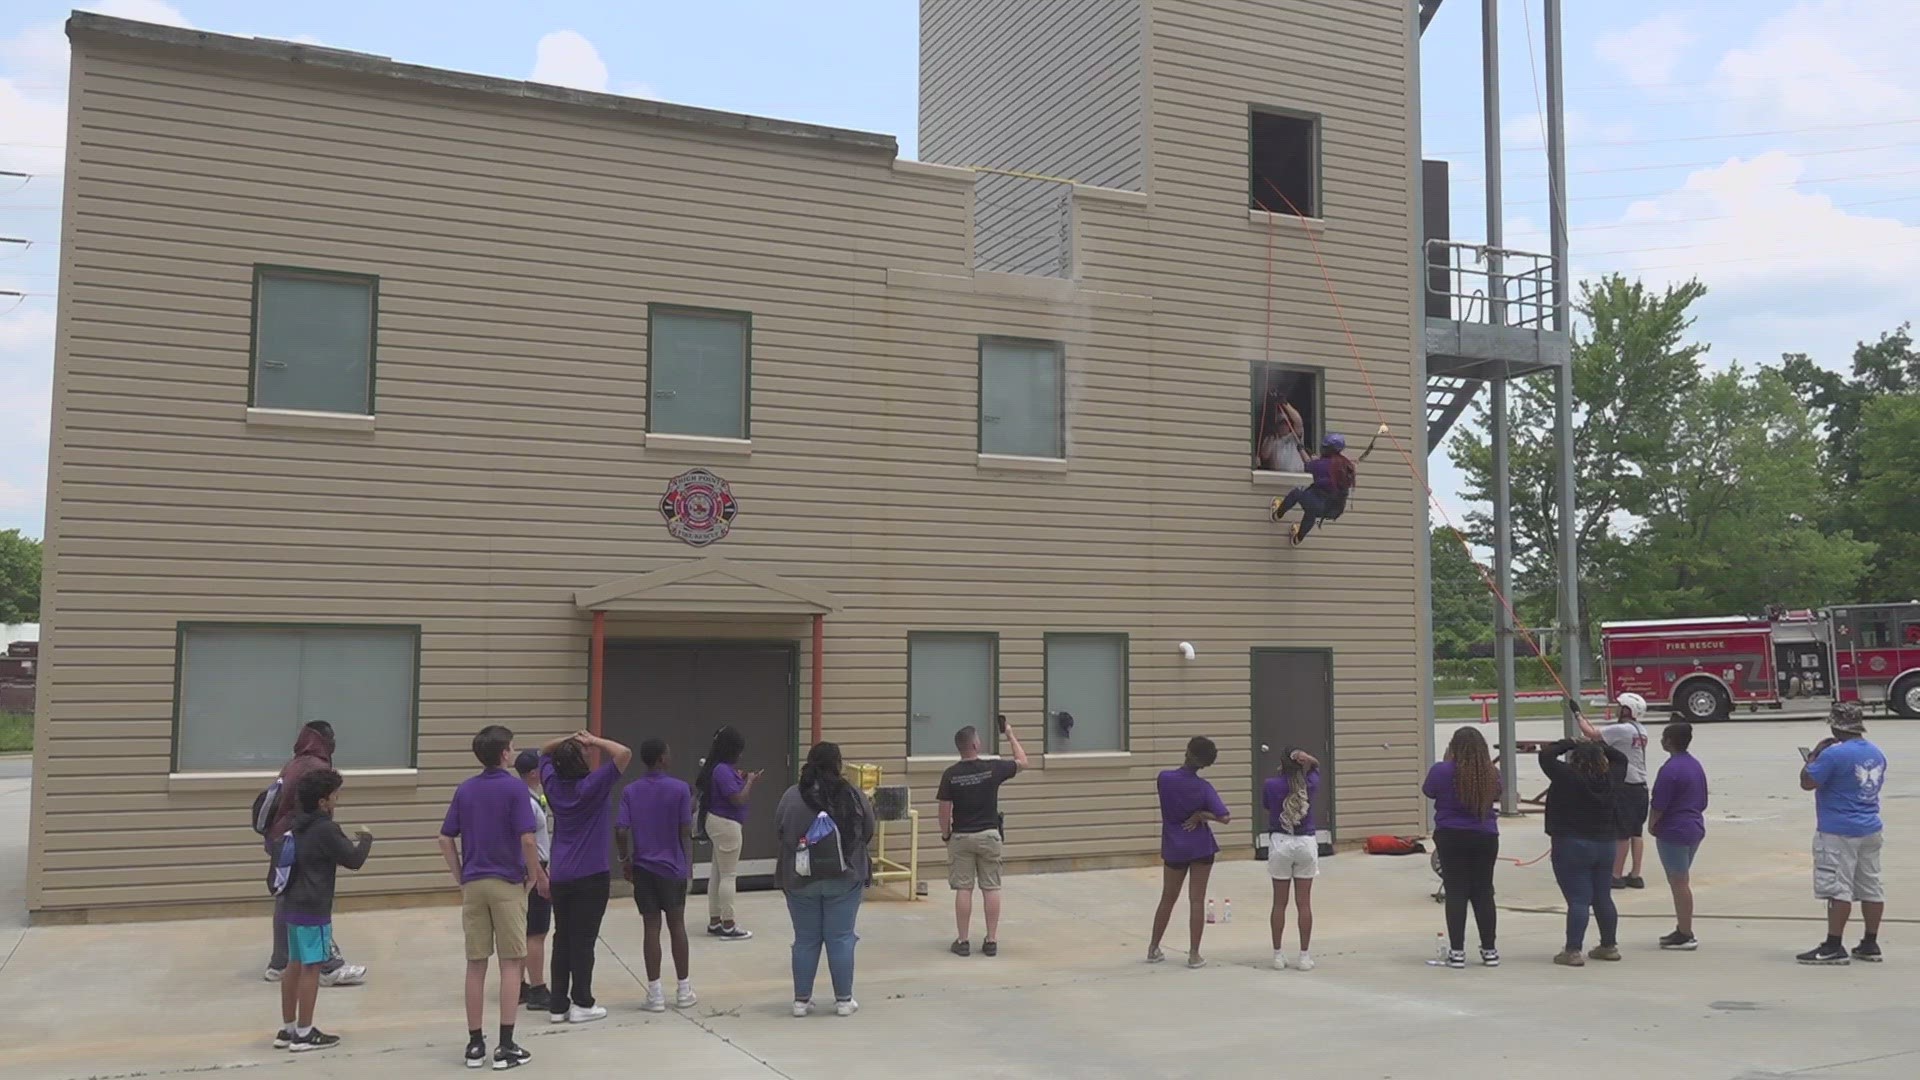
{"points": [[713, 585]]}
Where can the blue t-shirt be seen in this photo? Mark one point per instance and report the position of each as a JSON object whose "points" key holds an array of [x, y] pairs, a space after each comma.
{"points": [[1847, 802]]}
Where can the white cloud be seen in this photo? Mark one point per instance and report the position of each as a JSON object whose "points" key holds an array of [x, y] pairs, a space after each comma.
{"points": [[567, 58], [1650, 53], [1828, 62]]}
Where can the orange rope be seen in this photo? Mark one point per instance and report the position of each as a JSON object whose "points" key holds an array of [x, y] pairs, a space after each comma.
{"points": [[1413, 468]]}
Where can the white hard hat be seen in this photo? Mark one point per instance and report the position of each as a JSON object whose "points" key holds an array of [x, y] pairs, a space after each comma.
{"points": [[1635, 705]]}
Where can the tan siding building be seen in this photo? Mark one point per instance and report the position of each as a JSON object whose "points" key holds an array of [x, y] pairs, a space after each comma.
{"points": [[378, 387]]}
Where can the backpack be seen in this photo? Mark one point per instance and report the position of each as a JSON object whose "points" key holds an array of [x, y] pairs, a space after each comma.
{"points": [[1344, 477], [266, 806], [281, 874], [821, 854]]}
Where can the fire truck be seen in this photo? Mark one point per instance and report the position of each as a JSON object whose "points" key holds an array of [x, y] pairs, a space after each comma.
{"points": [[1702, 669]]}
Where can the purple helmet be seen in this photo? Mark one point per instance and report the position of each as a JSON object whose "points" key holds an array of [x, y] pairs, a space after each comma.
{"points": [[1335, 442]]}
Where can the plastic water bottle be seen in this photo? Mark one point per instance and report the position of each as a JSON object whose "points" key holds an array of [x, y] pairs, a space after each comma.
{"points": [[1210, 918], [1226, 910], [1439, 950]]}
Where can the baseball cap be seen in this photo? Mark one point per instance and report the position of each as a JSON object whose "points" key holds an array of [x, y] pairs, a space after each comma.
{"points": [[528, 761], [1848, 717]]}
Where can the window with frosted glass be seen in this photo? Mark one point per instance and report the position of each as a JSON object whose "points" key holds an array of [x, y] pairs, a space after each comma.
{"points": [[244, 692], [313, 341], [1087, 681], [697, 372], [1023, 405], [951, 685]]}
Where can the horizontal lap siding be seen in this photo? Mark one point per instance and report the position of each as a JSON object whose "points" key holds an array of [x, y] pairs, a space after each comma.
{"points": [[518, 245]]}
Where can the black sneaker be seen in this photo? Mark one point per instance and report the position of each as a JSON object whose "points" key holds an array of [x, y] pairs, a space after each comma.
{"points": [[510, 1056], [989, 948], [477, 1054], [961, 948], [1635, 881], [283, 1038], [732, 933], [1456, 958], [1824, 954], [1679, 942], [314, 1039], [715, 929], [536, 998], [1619, 883], [1868, 952]]}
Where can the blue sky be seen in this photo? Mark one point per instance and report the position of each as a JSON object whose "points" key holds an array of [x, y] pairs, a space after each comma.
{"points": [[1768, 147]]}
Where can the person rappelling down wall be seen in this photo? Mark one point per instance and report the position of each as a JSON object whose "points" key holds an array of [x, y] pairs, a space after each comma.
{"points": [[1326, 498]]}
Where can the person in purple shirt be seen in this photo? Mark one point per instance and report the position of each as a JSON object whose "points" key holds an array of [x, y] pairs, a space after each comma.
{"points": [[724, 792], [580, 799], [1326, 497], [1464, 786], [488, 842], [1678, 825], [654, 836], [1187, 846], [1293, 848]]}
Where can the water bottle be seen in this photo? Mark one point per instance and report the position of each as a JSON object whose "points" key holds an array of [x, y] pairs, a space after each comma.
{"points": [[1439, 950], [1226, 910], [1210, 918]]}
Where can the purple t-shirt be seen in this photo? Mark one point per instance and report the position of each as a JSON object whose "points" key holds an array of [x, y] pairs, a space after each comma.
{"points": [[726, 783], [654, 808], [489, 814], [1182, 791], [1449, 812], [582, 820], [1680, 794], [1274, 794]]}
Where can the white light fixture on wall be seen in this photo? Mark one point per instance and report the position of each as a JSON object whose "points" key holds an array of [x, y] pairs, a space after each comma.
{"points": [[1186, 650]]}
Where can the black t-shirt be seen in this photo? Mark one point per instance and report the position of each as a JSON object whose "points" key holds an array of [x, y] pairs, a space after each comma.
{"points": [[973, 787]]}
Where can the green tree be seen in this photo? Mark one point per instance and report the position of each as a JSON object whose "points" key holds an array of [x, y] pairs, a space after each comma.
{"points": [[1633, 370], [1887, 366], [1888, 495], [19, 578], [1462, 605], [1732, 520]]}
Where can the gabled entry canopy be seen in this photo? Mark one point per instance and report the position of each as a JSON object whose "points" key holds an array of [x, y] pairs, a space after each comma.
{"points": [[710, 586]]}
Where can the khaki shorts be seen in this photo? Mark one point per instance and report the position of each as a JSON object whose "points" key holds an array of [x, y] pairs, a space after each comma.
{"points": [[973, 858], [1847, 868], [494, 915]]}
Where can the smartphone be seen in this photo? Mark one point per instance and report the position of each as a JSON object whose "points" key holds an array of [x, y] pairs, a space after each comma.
{"points": [[1001, 722], [1805, 754]]}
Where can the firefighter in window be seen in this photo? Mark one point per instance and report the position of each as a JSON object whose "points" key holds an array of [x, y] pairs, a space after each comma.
{"points": [[1326, 498]]}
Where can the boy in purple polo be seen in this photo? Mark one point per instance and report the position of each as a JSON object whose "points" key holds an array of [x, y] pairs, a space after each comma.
{"points": [[1187, 846], [1679, 824], [653, 834], [491, 819]]}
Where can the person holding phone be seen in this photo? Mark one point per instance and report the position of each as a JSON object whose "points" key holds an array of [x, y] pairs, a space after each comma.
{"points": [[1845, 773], [724, 793], [970, 826]]}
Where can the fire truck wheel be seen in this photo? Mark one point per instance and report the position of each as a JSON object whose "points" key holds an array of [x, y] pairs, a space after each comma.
{"points": [[1906, 697], [1702, 701]]}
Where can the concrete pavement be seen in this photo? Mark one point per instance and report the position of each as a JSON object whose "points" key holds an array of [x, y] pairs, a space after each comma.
{"points": [[1069, 997]]}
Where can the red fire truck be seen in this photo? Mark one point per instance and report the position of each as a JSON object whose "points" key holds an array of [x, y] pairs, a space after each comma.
{"points": [[1703, 668]]}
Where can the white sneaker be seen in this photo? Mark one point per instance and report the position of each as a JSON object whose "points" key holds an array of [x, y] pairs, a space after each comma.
{"points": [[802, 1008], [578, 1015], [685, 998], [272, 975], [556, 1018], [1279, 961], [846, 1008], [1306, 962], [655, 1003], [344, 975]]}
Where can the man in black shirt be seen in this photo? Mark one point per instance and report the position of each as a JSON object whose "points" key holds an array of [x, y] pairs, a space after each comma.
{"points": [[970, 827]]}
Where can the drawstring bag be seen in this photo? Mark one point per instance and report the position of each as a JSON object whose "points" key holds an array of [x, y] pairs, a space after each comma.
{"points": [[1394, 845], [266, 806], [820, 855], [281, 875]]}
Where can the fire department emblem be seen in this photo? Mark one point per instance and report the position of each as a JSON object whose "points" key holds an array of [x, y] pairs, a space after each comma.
{"points": [[699, 508], [1878, 664]]}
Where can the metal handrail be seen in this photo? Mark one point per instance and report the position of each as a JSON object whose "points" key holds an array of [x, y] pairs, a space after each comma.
{"points": [[1497, 286]]}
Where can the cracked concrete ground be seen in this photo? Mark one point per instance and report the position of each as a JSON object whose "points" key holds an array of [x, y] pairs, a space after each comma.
{"points": [[1069, 996]]}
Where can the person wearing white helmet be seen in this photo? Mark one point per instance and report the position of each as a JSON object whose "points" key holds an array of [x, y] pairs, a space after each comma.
{"points": [[1629, 736]]}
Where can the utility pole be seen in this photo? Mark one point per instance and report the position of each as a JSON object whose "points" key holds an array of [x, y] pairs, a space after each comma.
{"points": [[1502, 479], [1570, 628]]}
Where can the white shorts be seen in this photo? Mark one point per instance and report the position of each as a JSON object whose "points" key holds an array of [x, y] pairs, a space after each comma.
{"points": [[1292, 857]]}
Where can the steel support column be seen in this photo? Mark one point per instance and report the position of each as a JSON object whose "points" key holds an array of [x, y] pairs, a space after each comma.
{"points": [[1571, 632]]}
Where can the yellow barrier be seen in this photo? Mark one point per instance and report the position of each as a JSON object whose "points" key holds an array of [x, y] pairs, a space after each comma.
{"points": [[886, 869]]}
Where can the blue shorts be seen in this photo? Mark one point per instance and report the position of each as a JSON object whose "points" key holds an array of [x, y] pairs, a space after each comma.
{"points": [[1676, 858], [309, 944]]}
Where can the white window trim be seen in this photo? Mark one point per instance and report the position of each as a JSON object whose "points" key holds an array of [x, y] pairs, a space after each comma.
{"points": [[1281, 481], [1270, 218], [303, 418], [253, 780], [1086, 759], [1017, 463], [705, 444]]}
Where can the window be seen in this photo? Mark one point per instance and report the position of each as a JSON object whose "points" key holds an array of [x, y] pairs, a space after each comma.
{"points": [[1023, 405], [1086, 680], [1286, 407], [243, 691], [697, 364], [1872, 630], [1283, 163], [313, 340], [952, 681]]}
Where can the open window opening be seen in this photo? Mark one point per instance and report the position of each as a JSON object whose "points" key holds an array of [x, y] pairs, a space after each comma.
{"points": [[1283, 152], [1285, 417]]}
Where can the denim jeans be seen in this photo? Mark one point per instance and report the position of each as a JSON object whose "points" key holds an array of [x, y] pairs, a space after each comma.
{"points": [[823, 913], [1312, 502], [1584, 869]]}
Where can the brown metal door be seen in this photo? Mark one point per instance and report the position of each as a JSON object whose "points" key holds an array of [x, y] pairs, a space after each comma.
{"points": [[683, 693], [1292, 707]]}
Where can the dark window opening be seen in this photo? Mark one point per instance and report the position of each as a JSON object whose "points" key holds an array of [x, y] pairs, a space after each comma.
{"points": [[1282, 164], [1285, 412]]}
